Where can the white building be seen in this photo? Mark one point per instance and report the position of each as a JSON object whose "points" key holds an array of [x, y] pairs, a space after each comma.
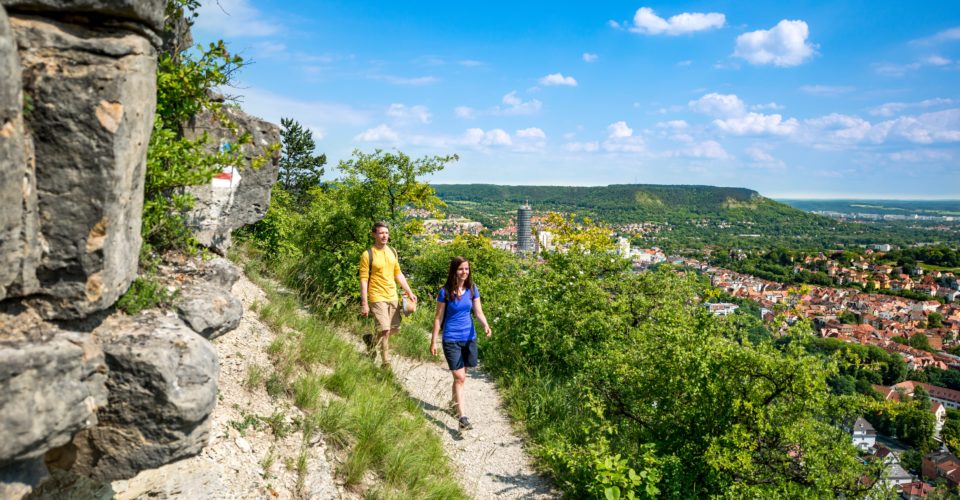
{"points": [[864, 435]]}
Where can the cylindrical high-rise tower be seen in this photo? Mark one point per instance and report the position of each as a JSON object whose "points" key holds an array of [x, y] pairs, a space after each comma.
{"points": [[524, 234]]}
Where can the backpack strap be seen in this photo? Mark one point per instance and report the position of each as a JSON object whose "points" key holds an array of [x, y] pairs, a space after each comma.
{"points": [[369, 262]]}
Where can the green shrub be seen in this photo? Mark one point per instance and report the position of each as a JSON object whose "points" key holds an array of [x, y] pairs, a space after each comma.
{"points": [[144, 293]]}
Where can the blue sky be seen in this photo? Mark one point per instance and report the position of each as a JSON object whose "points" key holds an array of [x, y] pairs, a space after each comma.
{"points": [[793, 99]]}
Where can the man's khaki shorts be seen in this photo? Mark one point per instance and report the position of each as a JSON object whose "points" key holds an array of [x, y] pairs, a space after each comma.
{"points": [[387, 315]]}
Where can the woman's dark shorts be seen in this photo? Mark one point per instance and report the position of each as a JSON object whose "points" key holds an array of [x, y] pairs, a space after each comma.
{"points": [[460, 354]]}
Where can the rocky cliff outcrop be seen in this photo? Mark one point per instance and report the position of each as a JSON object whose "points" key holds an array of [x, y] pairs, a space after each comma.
{"points": [[236, 198], [83, 387], [19, 252], [90, 93]]}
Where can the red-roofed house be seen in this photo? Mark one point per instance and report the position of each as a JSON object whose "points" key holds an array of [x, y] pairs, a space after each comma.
{"points": [[941, 464], [915, 490]]}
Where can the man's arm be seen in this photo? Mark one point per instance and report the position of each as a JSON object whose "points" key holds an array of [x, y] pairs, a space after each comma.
{"points": [[364, 306], [364, 284], [406, 288]]}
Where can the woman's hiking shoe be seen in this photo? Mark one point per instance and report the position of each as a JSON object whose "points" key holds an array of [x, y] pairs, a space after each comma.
{"points": [[465, 424]]}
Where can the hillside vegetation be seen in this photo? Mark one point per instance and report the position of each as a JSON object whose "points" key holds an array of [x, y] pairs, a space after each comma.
{"points": [[624, 383], [618, 200], [690, 217]]}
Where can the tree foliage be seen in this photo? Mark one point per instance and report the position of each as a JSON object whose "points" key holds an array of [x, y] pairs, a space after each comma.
{"points": [[632, 368], [951, 432], [300, 168], [335, 224]]}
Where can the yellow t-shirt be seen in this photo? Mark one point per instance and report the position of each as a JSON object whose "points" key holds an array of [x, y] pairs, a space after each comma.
{"points": [[382, 278]]}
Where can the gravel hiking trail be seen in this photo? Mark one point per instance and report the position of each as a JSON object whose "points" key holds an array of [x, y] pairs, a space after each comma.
{"points": [[490, 459]]}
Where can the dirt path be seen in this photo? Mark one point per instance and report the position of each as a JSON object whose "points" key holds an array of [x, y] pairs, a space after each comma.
{"points": [[490, 459]]}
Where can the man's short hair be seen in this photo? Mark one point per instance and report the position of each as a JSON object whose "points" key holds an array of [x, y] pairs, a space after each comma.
{"points": [[378, 225]]}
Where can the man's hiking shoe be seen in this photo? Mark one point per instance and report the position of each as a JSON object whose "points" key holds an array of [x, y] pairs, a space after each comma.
{"points": [[465, 424]]}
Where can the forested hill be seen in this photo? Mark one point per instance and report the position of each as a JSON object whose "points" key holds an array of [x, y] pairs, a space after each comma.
{"points": [[633, 202], [690, 216]]}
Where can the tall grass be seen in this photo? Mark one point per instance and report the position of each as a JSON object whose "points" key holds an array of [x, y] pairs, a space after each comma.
{"points": [[357, 406]]}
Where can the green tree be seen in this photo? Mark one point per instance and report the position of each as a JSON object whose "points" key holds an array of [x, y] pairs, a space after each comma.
{"points": [[951, 432], [638, 368], [934, 320], [335, 226], [922, 397], [920, 341], [915, 426], [849, 318], [300, 169]]}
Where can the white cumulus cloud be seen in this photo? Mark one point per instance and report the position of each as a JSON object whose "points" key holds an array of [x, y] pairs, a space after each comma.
{"points": [[719, 105], [558, 79], [380, 133], [517, 106], [588, 57], [620, 138], [619, 130], [496, 137], [409, 114], [783, 45], [647, 22], [757, 124], [711, 150], [927, 128], [838, 128], [532, 132], [770, 105], [892, 108]]}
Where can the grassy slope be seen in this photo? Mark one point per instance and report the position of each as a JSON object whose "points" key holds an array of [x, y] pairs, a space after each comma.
{"points": [[357, 406]]}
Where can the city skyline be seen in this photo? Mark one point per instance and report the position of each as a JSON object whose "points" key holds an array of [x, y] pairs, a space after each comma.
{"points": [[846, 100]]}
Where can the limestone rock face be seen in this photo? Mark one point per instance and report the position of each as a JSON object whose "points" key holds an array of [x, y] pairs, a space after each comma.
{"points": [[18, 198], [149, 12], [237, 198], [221, 272], [209, 310], [92, 94], [162, 386], [51, 384]]}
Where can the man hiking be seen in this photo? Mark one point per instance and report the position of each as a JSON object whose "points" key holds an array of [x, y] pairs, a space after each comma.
{"points": [[379, 275]]}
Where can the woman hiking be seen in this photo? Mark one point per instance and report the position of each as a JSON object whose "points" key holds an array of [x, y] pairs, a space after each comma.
{"points": [[458, 298]]}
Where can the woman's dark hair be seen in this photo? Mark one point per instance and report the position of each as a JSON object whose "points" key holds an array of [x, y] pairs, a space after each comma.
{"points": [[450, 288]]}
